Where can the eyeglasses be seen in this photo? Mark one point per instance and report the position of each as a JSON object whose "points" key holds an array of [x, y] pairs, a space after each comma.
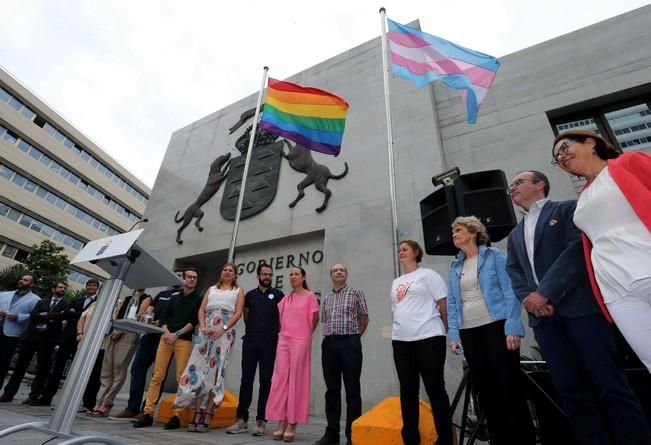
{"points": [[562, 151], [518, 182]]}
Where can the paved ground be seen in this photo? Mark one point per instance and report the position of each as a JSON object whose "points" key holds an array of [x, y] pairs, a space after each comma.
{"points": [[14, 413]]}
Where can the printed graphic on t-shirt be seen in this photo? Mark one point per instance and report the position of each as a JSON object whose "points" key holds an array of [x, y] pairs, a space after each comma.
{"points": [[402, 289]]}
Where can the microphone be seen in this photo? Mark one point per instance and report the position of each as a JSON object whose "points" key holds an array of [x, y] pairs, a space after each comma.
{"points": [[144, 220]]}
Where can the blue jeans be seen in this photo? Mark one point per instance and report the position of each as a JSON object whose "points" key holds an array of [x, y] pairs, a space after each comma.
{"points": [[145, 356]]}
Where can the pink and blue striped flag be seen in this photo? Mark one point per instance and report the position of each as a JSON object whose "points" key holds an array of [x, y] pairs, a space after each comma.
{"points": [[423, 58]]}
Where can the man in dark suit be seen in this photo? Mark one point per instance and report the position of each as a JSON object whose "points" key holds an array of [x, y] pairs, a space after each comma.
{"points": [[40, 338], [545, 263], [67, 346]]}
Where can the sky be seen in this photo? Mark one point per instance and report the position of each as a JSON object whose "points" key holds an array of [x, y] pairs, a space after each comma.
{"points": [[129, 73]]}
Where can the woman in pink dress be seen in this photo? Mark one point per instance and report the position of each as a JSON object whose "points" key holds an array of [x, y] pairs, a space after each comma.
{"points": [[289, 398]]}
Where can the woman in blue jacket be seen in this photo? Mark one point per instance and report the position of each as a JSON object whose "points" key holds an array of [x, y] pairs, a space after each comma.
{"points": [[484, 317]]}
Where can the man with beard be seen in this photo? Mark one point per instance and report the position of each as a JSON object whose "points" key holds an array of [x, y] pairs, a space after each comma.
{"points": [[15, 308], [258, 346], [39, 338], [67, 348], [178, 321]]}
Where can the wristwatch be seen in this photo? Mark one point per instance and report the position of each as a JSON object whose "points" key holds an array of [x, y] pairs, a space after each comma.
{"points": [[225, 327], [178, 333]]}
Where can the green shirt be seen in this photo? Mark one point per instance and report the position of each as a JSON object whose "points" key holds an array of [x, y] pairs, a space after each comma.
{"points": [[181, 310]]}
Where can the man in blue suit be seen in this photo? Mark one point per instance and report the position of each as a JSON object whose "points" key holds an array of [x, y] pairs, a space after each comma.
{"points": [[547, 270], [15, 308]]}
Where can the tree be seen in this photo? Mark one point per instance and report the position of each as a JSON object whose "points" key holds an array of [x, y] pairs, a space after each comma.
{"points": [[9, 276], [47, 263]]}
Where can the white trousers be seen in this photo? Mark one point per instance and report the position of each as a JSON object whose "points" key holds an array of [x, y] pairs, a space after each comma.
{"points": [[632, 315]]}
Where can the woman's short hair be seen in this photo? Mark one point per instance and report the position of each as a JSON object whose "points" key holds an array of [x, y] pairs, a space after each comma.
{"points": [[474, 226], [603, 149], [415, 247]]}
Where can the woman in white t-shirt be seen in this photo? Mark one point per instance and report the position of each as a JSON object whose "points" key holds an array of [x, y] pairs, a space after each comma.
{"points": [[418, 337]]}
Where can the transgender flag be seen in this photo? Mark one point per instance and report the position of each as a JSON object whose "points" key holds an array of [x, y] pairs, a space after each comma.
{"points": [[424, 58]]}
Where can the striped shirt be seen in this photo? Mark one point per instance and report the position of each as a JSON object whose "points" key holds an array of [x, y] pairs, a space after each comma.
{"points": [[341, 311]]}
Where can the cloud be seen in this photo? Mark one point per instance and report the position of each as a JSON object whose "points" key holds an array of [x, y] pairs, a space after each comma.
{"points": [[128, 74]]}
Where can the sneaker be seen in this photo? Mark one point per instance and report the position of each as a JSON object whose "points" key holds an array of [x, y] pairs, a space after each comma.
{"points": [[172, 424], [145, 420], [327, 440], [240, 426], [259, 428], [124, 415]]}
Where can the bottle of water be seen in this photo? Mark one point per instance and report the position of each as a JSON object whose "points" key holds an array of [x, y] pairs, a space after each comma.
{"points": [[132, 309], [148, 316]]}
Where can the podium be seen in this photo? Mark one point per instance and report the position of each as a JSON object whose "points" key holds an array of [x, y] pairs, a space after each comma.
{"points": [[127, 263]]}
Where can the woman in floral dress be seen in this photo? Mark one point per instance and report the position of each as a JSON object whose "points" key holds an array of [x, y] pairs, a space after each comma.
{"points": [[202, 382]]}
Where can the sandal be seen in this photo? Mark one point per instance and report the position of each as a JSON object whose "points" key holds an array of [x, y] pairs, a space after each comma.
{"points": [[204, 424], [98, 413], [280, 432], [196, 420], [290, 436]]}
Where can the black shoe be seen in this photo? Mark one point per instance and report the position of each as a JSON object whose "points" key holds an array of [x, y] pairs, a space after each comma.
{"points": [[42, 402], [173, 423], [28, 401], [4, 398], [327, 440], [145, 420]]}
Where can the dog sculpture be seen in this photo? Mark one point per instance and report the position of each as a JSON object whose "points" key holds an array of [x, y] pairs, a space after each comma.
{"points": [[300, 159], [217, 175]]}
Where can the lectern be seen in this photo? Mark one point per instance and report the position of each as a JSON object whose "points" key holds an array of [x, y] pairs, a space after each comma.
{"points": [[127, 263]]}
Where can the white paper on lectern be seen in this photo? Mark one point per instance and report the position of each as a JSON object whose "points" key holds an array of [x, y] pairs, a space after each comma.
{"points": [[106, 248]]}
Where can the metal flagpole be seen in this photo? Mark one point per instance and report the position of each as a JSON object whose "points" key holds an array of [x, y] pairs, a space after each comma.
{"points": [[392, 172], [240, 200]]}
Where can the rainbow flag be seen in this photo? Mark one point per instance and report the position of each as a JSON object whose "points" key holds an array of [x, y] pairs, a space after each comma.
{"points": [[423, 58], [308, 116]]}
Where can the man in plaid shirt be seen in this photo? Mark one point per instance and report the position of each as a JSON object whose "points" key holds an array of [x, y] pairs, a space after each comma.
{"points": [[344, 317]]}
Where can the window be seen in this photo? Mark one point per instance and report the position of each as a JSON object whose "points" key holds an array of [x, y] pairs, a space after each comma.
{"points": [[36, 154], [6, 172], [15, 103], [55, 166], [13, 214], [47, 231], [36, 226], [29, 114], [30, 186], [21, 255], [19, 180], [26, 220], [631, 126], [9, 137], [4, 96], [9, 251], [626, 124]]}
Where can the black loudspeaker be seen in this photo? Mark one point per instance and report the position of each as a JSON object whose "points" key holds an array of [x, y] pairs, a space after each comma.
{"points": [[485, 195], [437, 211]]}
